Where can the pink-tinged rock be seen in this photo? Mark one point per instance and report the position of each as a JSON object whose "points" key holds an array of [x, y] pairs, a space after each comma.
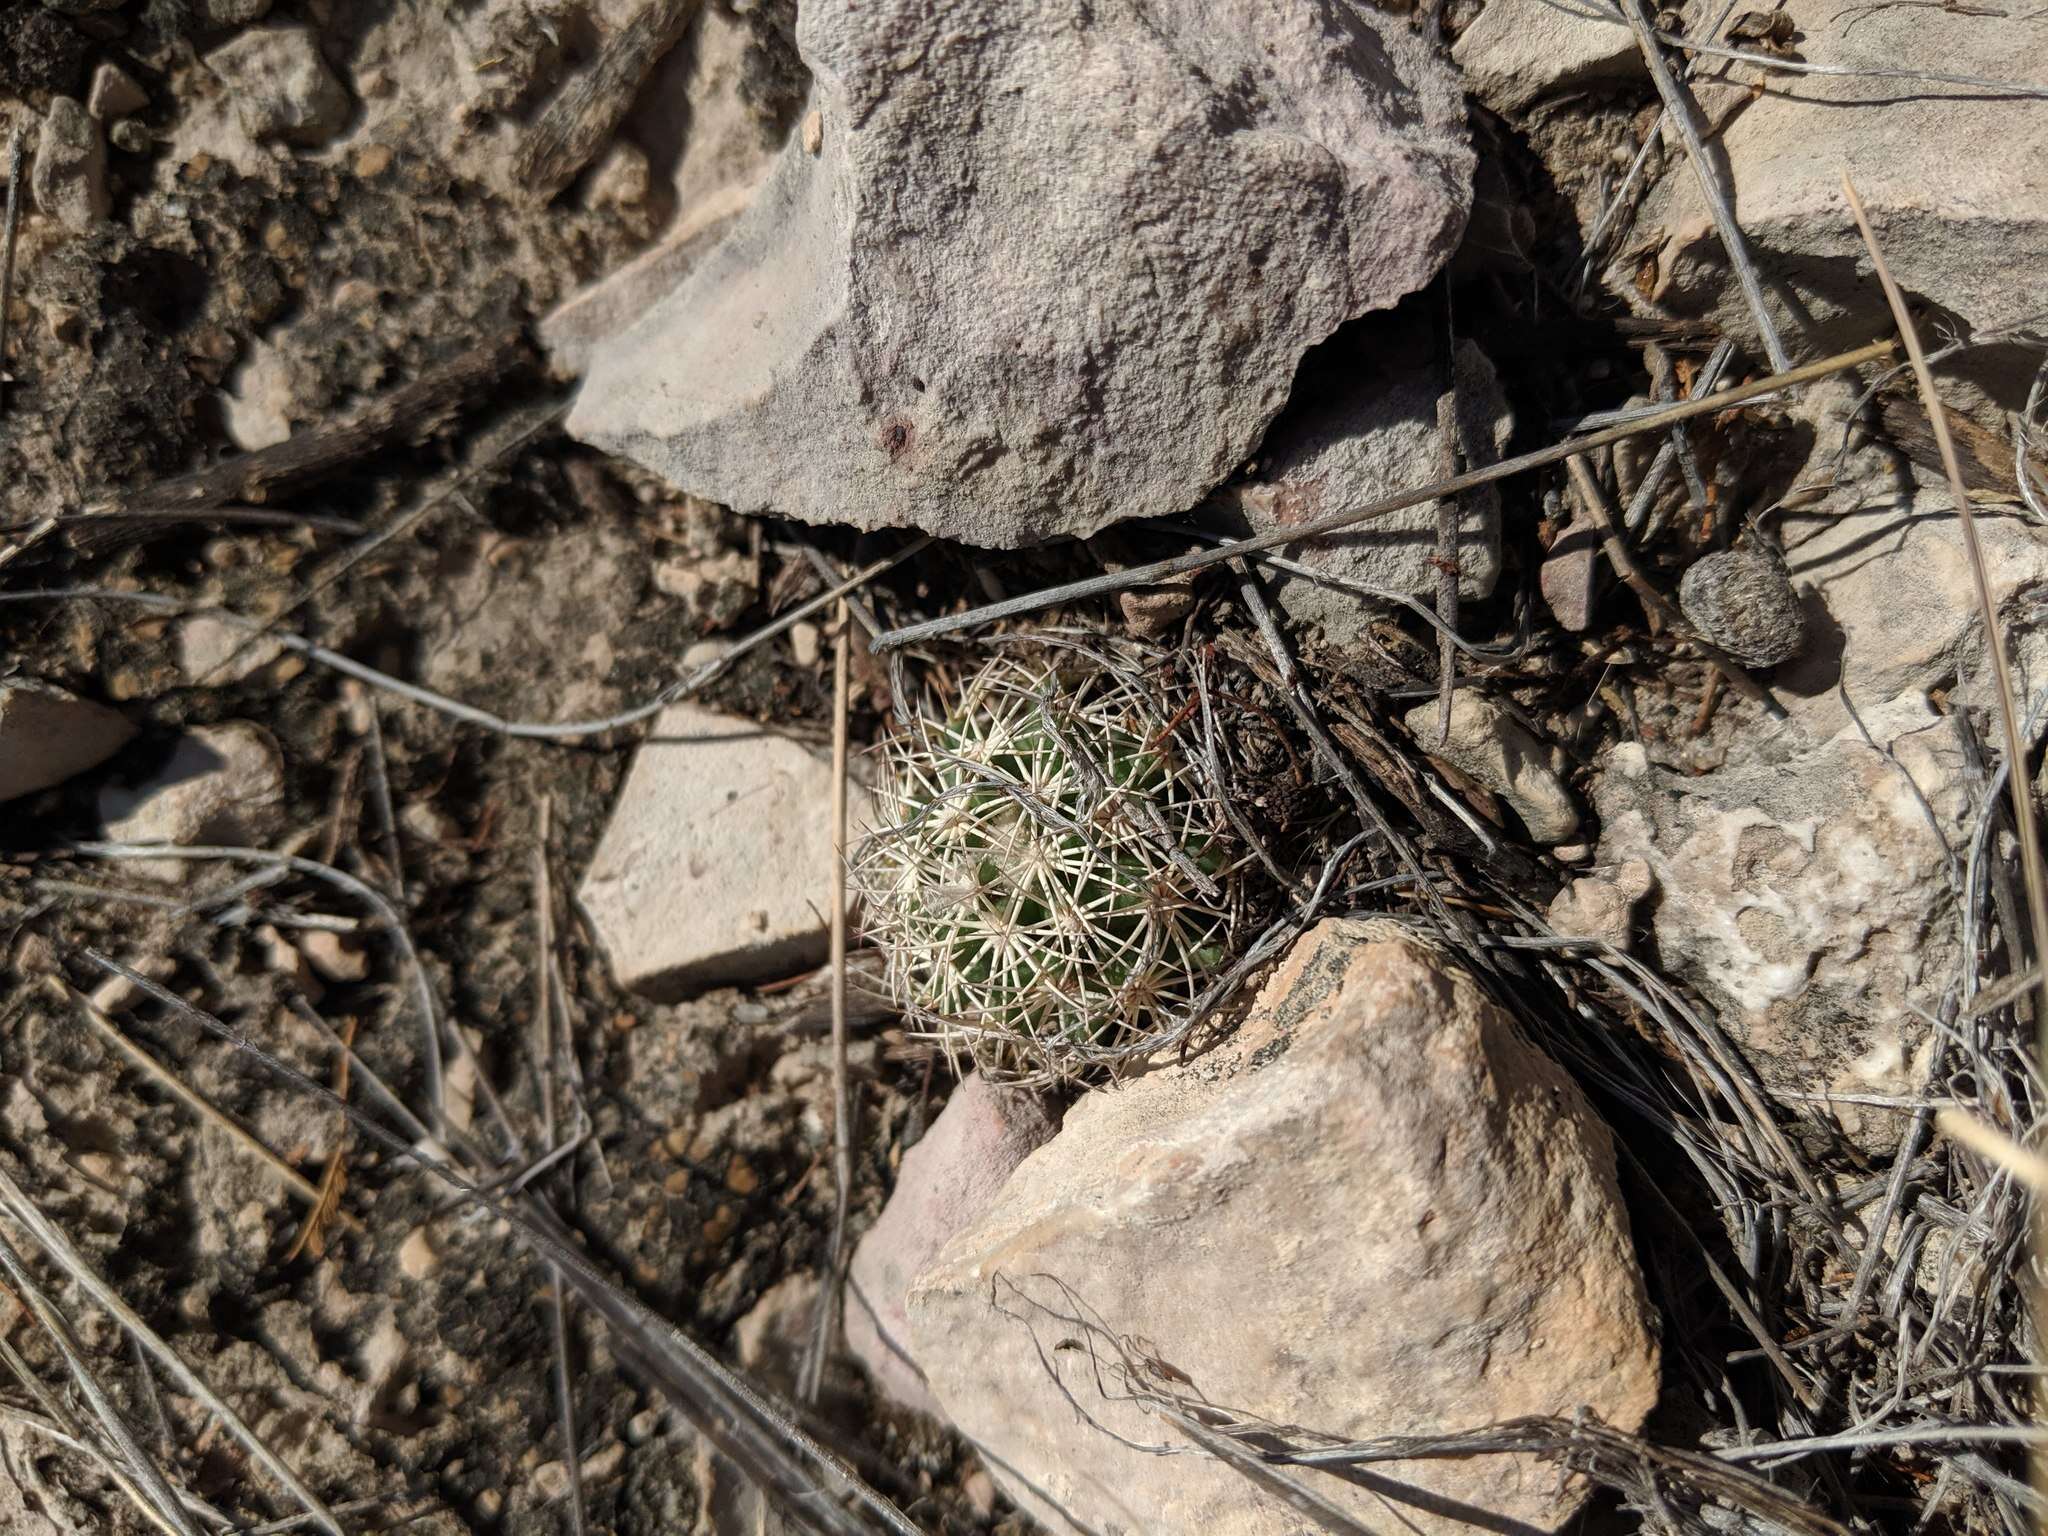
{"points": [[1036, 266], [947, 1180], [1377, 1211]]}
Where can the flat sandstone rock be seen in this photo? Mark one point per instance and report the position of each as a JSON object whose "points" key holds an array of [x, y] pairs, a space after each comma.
{"points": [[1034, 266], [1956, 179], [716, 862], [1376, 1211]]}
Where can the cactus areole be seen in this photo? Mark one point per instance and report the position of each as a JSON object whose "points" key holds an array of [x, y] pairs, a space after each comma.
{"points": [[1050, 881]]}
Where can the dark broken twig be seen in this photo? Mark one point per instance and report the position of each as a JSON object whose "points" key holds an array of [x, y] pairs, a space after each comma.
{"points": [[409, 413], [581, 118]]}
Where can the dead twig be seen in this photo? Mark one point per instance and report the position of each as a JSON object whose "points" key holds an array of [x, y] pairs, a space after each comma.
{"points": [[61, 1251], [297, 1183], [1684, 114], [812, 1486], [160, 1501], [842, 1097], [581, 118], [468, 713], [1337, 522], [1594, 500], [408, 413], [17, 152]]}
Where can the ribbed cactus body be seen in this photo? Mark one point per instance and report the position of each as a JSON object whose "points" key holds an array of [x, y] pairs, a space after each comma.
{"points": [[1047, 882]]}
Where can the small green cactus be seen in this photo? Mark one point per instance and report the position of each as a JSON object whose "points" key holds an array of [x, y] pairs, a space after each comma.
{"points": [[1049, 882]]}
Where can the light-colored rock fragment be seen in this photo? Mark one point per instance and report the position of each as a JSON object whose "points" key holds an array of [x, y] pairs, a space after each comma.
{"points": [[260, 398], [1956, 180], [1495, 748], [716, 862], [1051, 266], [1810, 900], [771, 1340], [47, 735], [1367, 428], [69, 176], [1602, 905], [230, 13], [1519, 51], [223, 784], [333, 956], [706, 102], [946, 1182], [212, 651], [114, 94], [1376, 1211], [1892, 605], [1569, 577], [282, 86]]}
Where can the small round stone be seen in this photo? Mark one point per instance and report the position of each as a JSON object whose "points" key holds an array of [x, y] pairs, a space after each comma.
{"points": [[1743, 602]]}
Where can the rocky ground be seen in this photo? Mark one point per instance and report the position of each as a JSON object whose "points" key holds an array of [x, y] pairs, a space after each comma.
{"points": [[432, 439]]}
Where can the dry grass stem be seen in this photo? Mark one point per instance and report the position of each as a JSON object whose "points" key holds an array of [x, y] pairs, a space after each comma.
{"points": [[1683, 112], [1996, 1148], [818, 1492], [1594, 500], [1337, 522], [62, 1252], [813, 1375]]}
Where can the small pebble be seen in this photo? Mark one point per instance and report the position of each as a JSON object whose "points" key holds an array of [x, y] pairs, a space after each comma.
{"points": [[416, 1256], [1743, 602], [69, 176], [114, 94], [281, 85], [723, 1223], [980, 1489], [333, 956], [803, 644], [551, 1480]]}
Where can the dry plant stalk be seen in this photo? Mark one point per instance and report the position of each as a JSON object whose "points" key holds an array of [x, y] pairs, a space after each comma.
{"points": [[2019, 784]]}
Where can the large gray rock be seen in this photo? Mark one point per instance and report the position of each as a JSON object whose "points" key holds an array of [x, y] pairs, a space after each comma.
{"points": [[718, 857], [1956, 179], [1363, 424], [47, 735], [1048, 265], [1376, 1211], [945, 1183]]}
